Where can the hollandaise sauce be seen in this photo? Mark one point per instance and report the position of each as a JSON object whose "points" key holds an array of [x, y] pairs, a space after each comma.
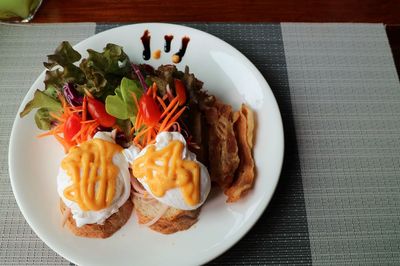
{"points": [[93, 174], [165, 169]]}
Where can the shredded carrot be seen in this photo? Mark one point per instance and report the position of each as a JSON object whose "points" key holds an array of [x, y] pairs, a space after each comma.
{"points": [[88, 121], [170, 114], [168, 117], [149, 91], [84, 107], [170, 106], [86, 131], [63, 142], [171, 125], [178, 114], [77, 135], [153, 134], [83, 132], [62, 100], [167, 127], [91, 130], [57, 117], [138, 121], [149, 135], [48, 133], [162, 103], [140, 134], [154, 87], [88, 93], [135, 100], [157, 127]]}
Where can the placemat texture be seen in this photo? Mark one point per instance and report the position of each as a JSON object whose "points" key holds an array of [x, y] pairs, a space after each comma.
{"points": [[22, 51], [346, 105], [337, 201]]}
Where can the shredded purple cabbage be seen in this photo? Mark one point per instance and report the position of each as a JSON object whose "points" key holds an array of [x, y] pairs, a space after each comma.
{"points": [[53, 123], [71, 95], [140, 76]]}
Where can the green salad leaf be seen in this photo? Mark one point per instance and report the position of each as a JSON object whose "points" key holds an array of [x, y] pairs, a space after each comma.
{"points": [[112, 60], [43, 119], [100, 73], [104, 70], [46, 102], [52, 92], [64, 56], [122, 105], [41, 100]]}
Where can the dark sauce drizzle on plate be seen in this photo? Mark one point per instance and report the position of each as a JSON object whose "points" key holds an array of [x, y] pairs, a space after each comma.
{"points": [[181, 52], [146, 45], [167, 45]]}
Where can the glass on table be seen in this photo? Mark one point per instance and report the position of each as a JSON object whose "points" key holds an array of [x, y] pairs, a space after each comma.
{"points": [[18, 10]]}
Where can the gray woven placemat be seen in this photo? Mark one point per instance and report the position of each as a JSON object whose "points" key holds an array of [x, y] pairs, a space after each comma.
{"points": [[338, 198], [346, 105], [22, 51]]}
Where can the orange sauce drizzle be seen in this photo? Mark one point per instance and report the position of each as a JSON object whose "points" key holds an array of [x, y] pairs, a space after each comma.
{"points": [[165, 169], [93, 174]]}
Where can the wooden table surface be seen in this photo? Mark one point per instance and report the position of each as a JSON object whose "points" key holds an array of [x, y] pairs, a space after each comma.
{"points": [[384, 11]]}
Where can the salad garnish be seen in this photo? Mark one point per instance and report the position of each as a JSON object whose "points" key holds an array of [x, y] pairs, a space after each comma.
{"points": [[106, 92]]}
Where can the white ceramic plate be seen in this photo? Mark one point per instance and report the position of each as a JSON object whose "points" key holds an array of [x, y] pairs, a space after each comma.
{"points": [[33, 162]]}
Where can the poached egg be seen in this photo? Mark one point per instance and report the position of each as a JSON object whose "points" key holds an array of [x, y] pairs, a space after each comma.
{"points": [[122, 189], [173, 197]]}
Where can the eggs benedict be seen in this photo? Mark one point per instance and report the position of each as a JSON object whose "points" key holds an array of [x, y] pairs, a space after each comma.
{"points": [[171, 176], [94, 186]]}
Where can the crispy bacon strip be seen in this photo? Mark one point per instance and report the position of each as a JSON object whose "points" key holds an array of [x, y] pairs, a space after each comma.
{"points": [[222, 146], [244, 175]]}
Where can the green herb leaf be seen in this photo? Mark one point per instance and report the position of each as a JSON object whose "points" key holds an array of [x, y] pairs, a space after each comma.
{"points": [[122, 105]]}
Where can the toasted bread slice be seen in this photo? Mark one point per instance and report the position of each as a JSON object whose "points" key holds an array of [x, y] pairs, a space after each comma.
{"points": [[110, 226], [172, 221]]}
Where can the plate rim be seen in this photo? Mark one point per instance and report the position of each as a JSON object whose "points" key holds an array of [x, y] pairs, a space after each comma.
{"points": [[264, 202]]}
